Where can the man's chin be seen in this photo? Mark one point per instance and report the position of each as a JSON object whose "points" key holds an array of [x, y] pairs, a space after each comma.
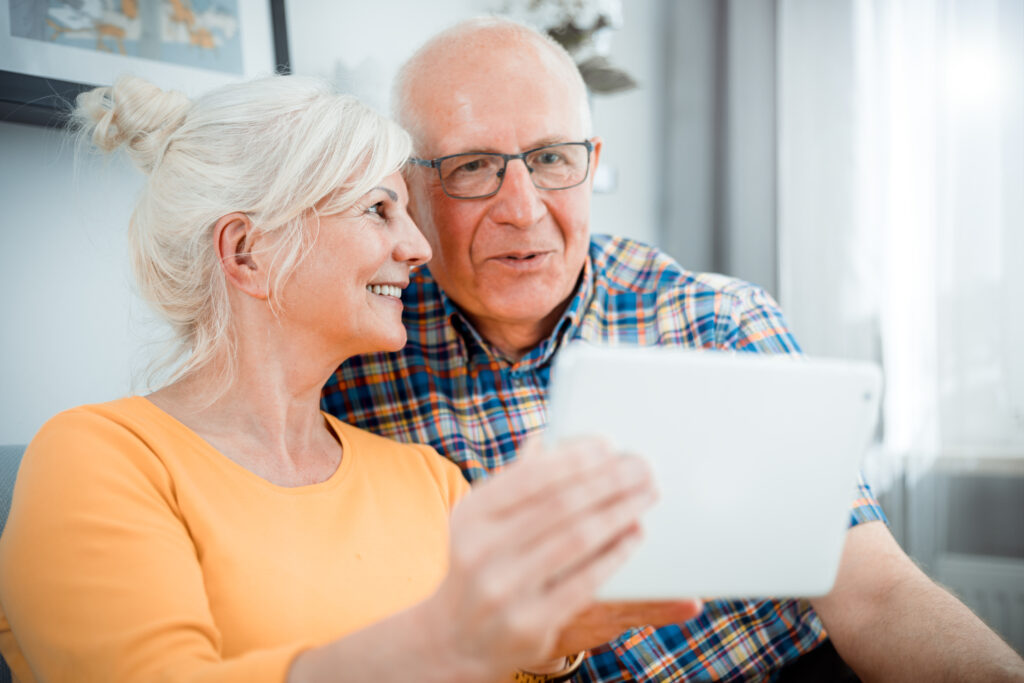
{"points": [[531, 309]]}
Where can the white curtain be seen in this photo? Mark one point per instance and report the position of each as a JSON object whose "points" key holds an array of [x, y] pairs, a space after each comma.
{"points": [[901, 217]]}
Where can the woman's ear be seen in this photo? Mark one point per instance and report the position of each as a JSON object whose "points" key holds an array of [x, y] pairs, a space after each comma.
{"points": [[235, 236]]}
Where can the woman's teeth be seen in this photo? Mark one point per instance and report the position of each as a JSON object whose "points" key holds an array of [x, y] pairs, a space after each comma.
{"points": [[386, 290]]}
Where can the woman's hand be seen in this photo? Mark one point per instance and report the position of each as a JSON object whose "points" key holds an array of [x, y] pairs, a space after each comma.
{"points": [[529, 547]]}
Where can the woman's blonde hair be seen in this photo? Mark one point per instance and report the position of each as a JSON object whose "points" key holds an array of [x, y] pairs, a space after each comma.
{"points": [[272, 148]]}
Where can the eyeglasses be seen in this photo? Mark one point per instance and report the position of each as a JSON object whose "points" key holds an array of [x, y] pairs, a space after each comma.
{"points": [[476, 175]]}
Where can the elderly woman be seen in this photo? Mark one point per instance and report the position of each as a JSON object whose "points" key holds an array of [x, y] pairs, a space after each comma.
{"points": [[223, 528]]}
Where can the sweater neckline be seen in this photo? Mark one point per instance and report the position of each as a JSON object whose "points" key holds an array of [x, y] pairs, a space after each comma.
{"points": [[226, 463]]}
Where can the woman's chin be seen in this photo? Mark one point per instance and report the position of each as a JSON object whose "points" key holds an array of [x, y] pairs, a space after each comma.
{"points": [[388, 343]]}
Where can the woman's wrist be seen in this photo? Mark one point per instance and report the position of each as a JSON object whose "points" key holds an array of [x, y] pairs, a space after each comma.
{"points": [[552, 666], [439, 647], [416, 639], [552, 672]]}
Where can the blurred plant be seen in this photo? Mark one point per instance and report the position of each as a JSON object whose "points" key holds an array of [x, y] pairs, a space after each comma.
{"points": [[584, 28]]}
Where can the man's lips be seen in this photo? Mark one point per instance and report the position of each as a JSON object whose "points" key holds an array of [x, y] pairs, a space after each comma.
{"points": [[522, 263], [520, 255]]}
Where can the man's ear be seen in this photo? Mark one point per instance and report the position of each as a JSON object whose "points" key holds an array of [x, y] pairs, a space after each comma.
{"points": [[595, 158], [234, 237]]}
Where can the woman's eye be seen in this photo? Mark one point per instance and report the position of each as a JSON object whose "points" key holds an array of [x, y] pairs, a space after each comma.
{"points": [[377, 208]]}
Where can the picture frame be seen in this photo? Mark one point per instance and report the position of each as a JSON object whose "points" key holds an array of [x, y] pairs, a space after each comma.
{"points": [[40, 79]]}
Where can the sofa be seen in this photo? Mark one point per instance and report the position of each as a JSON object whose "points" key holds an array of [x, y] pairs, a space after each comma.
{"points": [[10, 458]]}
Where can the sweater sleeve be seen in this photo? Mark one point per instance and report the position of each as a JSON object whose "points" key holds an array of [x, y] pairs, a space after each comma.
{"points": [[450, 480], [99, 577]]}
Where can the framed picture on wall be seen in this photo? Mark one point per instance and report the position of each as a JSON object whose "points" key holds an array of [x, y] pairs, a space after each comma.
{"points": [[51, 50]]}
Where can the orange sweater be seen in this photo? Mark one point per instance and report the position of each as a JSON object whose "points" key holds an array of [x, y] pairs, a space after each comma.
{"points": [[135, 551]]}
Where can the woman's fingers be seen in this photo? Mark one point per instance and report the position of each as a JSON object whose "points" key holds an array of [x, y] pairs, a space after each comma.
{"points": [[491, 530], [541, 472], [531, 545], [575, 556], [560, 520], [561, 508], [580, 539], [575, 589]]}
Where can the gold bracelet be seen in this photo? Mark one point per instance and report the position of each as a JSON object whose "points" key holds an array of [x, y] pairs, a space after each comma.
{"points": [[565, 674]]}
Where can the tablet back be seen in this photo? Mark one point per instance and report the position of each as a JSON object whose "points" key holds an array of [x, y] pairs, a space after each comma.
{"points": [[756, 458]]}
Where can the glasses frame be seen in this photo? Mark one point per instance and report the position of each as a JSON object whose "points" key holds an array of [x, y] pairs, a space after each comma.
{"points": [[436, 163]]}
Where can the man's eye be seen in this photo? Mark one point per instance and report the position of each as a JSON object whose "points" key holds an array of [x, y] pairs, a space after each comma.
{"points": [[480, 165], [548, 159], [470, 166]]}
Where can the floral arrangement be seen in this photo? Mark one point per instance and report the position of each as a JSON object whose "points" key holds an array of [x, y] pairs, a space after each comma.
{"points": [[584, 28]]}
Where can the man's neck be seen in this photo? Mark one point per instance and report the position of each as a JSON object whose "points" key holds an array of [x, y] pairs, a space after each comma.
{"points": [[513, 340]]}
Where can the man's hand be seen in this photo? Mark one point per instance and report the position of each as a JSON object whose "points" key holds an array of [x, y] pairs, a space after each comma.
{"points": [[604, 621]]}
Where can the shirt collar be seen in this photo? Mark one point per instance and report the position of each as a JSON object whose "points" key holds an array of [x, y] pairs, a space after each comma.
{"points": [[567, 328]]}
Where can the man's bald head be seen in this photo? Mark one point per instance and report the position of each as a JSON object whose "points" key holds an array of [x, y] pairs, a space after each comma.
{"points": [[479, 50]]}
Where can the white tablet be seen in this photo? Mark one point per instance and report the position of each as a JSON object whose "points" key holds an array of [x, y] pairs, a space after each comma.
{"points": [[756, 457]]}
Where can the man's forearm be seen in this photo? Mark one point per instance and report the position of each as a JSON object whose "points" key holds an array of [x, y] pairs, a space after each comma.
{"points": [[891, 622]]}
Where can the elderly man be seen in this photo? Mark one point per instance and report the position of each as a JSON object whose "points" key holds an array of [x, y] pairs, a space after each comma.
{"points": [[501, 189]]}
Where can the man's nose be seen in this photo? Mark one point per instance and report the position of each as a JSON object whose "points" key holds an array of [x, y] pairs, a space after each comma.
{"points": [[518, 202]]}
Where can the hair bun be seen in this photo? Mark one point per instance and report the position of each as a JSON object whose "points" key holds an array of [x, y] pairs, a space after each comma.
{"points": [[133, 113]]}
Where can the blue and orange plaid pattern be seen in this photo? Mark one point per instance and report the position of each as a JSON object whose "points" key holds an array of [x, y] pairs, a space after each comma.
{"points": [[450, 389]]}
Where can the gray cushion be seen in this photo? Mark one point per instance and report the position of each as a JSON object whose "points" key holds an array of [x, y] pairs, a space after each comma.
{"points": [[10, 458]]}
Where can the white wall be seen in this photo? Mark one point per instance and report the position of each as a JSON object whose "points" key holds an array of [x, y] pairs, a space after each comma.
{"points": [[361, 45], [73, 332], [67, 307], [628, 123]]}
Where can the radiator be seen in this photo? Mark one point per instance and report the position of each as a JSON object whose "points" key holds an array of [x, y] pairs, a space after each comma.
{"points": [[991, 586]]}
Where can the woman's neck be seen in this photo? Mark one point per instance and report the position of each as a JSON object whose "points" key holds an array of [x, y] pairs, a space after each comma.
{"points": [[268, 417]]}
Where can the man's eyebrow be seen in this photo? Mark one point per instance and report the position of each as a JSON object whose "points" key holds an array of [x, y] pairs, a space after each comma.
{"points": [[543, 142], [554, 140]]}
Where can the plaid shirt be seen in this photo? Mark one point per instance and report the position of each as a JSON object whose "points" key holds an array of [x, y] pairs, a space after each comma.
{"points": [[450, 389]]}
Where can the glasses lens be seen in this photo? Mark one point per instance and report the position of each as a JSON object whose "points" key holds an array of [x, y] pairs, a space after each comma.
{"points": [[471, 175], [555, 167], [559, 166]]}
